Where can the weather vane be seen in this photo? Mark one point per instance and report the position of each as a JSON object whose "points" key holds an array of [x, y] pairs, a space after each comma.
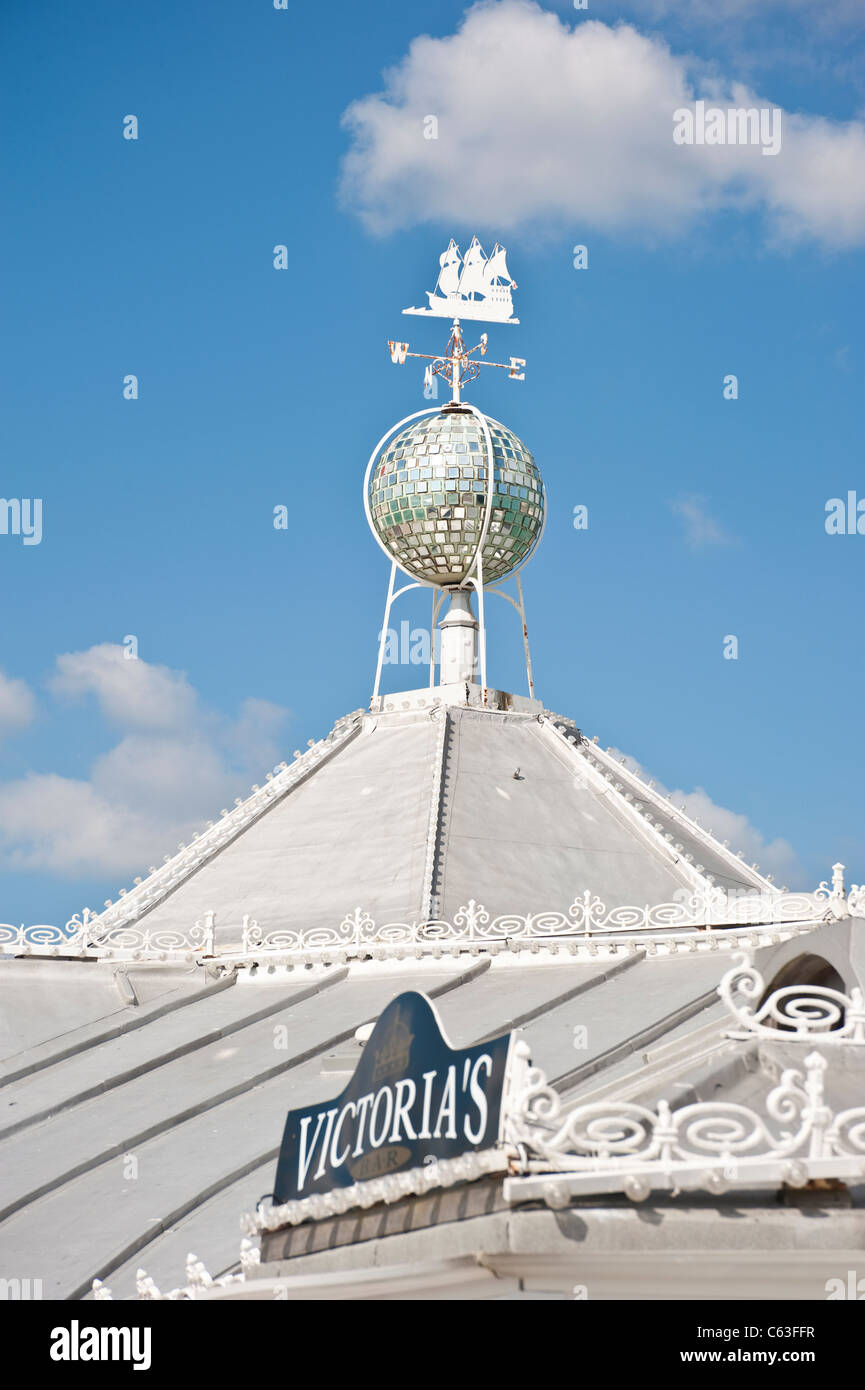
{"points": [[475, 287]]}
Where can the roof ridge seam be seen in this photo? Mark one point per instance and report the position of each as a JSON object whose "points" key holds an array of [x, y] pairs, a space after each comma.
{"points": [[432, 888], [667, 807], [618, 806]]}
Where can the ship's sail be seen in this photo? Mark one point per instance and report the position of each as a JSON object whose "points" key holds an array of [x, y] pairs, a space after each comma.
{"points": [[471, 286], [496, 267], [449, 275], [473, 280]]}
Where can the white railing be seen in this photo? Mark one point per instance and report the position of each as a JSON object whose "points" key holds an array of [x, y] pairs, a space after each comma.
{"points": [[472, 926], [618, 1146]]}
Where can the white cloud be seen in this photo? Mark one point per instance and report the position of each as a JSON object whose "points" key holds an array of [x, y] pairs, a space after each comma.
{"points": [[130, 691], [543, 124], [17, 705], [177, 764], [776, 857], [701, 529]]}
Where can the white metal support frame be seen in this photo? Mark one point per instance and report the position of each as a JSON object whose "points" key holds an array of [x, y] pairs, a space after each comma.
{"points": [[391, 597], [519, 604], [437, 602], [416, 583]]}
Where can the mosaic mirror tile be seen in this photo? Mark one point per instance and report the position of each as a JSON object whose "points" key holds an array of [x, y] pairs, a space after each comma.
{"points": [[428, 493]]}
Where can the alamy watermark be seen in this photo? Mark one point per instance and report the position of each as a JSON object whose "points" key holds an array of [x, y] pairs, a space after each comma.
{"points": [[77, 1343], [845, 516], [852, 1288], [410, 646], [17, 1289], [735, 125], [21, 516]]}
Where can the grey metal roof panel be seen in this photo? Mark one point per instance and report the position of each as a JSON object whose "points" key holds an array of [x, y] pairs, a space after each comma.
{"points": [[84, 995], [211, 1231], [194, 1125], [534, 841], [620, 1016], [51, 1005], [413, 813], [353, 834], [96, 1070]]}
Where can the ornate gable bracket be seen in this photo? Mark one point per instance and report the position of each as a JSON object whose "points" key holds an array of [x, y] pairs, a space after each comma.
{"points": [[611, 1146], [794, 1013]]}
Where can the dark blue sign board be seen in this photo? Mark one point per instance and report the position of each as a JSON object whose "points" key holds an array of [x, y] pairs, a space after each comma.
{"points": [[411, 1098]]}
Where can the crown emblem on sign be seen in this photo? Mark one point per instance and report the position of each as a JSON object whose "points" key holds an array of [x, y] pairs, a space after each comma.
{"points": [[392, 1054]]}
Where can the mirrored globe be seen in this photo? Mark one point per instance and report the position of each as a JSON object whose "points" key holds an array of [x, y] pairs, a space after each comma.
{"points": [[427, 494]]}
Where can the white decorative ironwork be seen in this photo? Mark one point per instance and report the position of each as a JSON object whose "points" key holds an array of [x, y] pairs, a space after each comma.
{"points": [[810, 1013], [587, 920], [415, 1182], [841, 904], [198, 1284], [79, 940], [198, 1280], [620, 1146], [472, 924], [250, 1254]]}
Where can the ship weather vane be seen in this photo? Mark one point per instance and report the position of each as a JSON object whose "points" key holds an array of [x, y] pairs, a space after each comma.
{"points": [[474, 287]]}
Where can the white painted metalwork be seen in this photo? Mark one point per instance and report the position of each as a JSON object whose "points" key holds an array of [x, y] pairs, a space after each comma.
{"points": [[457, 365], [843, 904], [392, 596], [476, 287], [359, 938], [617, 1146], [415, 1182], [198, 1279], [358, 933], [805, 1013]]}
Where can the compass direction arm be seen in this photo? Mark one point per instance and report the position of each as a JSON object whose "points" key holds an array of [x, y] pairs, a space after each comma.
{"points": [[457, 365]]}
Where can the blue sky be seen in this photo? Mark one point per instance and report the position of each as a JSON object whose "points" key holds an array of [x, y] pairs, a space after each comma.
{"points": [[260, 388]]}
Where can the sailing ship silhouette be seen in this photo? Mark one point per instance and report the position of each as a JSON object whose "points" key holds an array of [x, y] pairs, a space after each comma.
{"points": [[472, 287]]}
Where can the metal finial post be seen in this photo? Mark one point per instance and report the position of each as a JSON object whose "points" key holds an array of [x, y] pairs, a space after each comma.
{"points": [[457, 365]]}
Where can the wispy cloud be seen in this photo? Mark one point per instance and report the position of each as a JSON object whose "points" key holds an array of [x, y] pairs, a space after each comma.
{"points": [[175, 763], [130, 692], [17, 704], [776, 857], [587, 145], [701, 529]]}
